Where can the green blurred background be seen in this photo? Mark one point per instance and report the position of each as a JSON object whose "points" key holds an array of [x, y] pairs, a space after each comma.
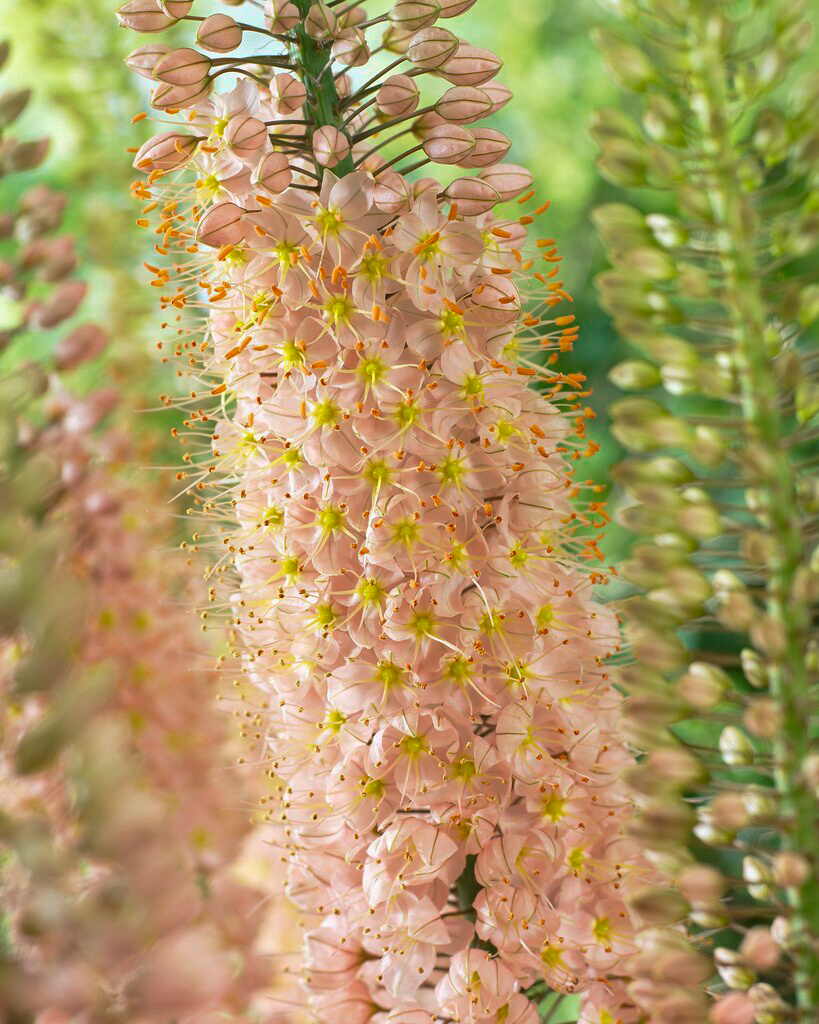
{"points": [[71, 52]]}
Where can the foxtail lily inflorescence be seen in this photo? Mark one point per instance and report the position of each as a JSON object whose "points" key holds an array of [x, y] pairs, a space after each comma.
{"points": [[716, 292], [412, 558]]}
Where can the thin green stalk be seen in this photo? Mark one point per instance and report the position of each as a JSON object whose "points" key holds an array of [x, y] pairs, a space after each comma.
{"points": [[323, 105], [736, 229]]}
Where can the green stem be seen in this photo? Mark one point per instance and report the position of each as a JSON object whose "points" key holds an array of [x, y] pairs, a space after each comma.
{"points": [[736, 228], [323, 106]]}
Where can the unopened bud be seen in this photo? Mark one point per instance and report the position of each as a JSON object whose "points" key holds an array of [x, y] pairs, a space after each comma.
{"points": [[472, 196], [320, 22], [432, 47], [219, 33], [733, 1008], [792, 870], [471, 65], [166, 151], [144, 16], [398, 96], [753, 668], [412, 15], [760, 949], [221, 225], [701, 884], [734, 969], [463, 105], [758, 877], [245, 134], [274, 173], [508, 180], [281, 16], [763, 717], [735, 747], [491, 146], [143, 59], [703, 685], [330, 146]]}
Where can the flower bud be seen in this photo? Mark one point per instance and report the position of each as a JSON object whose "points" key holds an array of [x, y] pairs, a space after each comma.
{"points": [[391, 193], [432, 47], [290, 93], [491, 146], [452, 8], [659, 906], [330, 146], [701, 884], [397, 97], [412, 15], [635, 375], [60, 305], [471, 65], [704, 685], [219, 33], [176, 9], [498, 93], [245, 134], [728, 811], [274, 173], [472, 196], [83, 344], [761, 804], [733, 1008], [350, 48], [754, 668], [143, 16], [763, 717], [281, 16], [758, 877], [449, 144], [733, 969], [166, 151], [792, 870], [320, 22], [143, 59], [509, 180], [760, 949], [179, 97], [735, 747], [463, 105], [186, 67], [221, 225], [769, 1005]]}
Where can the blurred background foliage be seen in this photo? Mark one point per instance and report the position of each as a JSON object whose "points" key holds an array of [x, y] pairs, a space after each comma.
{"points": [[71, 52]]}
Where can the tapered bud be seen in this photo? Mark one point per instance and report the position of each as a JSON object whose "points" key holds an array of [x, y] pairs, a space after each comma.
{"points": [[753, 668], [392, 193], [83, 344], [758, 877], [449, 144], [281, 16], [499, 95], [166, 151], [290, 93], [663, 823], [760, 949], [733, 1008], [320, 22], [186, 67], [61, 304], [703, 685], [143, 59], [411, 15], [176, 9], [221, 225], [509, 180], [245, 134], [350, 48], [23, 156], [659, 906], [701, 884], [471, 65], [397, 96], [728, 811], [763, 717], [473, 197], [219, 33], [330, 146], [792, 870], [735, 747], [144, 16], [770, 1007], [274, 173], [179, 97], [452, 8], [432, 47], [463, 105], [352, 17], [635, 375], [761, 804], [491, 146], [733, 969]]}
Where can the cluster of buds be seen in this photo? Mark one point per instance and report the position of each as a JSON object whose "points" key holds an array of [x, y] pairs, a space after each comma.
{"points": [[121, 827], [723, 496], [411, 560]]}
